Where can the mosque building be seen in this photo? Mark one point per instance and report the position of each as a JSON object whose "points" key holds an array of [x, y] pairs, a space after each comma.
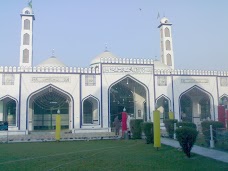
{"points": [[88, 99]]}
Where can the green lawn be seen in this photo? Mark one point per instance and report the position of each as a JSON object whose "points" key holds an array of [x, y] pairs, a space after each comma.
{"points": [[100, 155]]}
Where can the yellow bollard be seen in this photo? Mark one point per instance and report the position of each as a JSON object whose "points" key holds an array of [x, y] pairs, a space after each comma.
{"points": [[171, 115], [58, 127], [157, 134]]}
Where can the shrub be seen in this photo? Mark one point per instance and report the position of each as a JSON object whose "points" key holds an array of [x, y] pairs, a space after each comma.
{"points": [[186, 137], [169, 125], [147, 128], [186, 124], [206, 130], [135, 125]]}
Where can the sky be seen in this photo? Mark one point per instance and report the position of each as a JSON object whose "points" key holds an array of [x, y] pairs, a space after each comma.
{"points": [[79, 30]]}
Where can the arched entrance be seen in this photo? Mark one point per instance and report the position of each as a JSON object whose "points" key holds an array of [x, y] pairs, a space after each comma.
{"points": [[195, 105], [8, 110], [224, 101], [163, 105], [45, 104], [90, 111], [130, 94]]}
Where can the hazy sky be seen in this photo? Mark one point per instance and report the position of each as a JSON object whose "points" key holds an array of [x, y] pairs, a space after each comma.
{"points": [[79, 29]]}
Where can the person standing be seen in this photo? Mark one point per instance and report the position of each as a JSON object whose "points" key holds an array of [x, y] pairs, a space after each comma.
{"points": [[117, 125]]}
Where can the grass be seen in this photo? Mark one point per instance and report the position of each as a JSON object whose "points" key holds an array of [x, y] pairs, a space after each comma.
{"points": [[100, 155]]}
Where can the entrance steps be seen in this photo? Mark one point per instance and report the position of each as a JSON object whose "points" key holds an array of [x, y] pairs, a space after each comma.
{"points": [[43, 136]]}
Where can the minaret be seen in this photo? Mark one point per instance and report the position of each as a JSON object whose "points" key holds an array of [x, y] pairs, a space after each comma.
{"points": [[166, 42], [26, 51]]}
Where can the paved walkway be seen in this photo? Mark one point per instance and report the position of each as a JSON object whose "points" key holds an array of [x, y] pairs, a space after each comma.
{"points": [[207, 152]]}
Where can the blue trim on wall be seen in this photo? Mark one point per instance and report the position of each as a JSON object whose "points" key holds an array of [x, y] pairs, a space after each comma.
{"points": [[196, 86], [80, 100], [173, 96], [217, 89], [43, 88], [96, 100], [117, 81], [19, 104], [101, 97]]}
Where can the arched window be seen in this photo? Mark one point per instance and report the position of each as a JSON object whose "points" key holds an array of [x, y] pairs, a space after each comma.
{"points": [[167, 32], [167, 43], [169, 60], [27, 12], [25, 56], [90, 111], [27, 24], [26, 39]]}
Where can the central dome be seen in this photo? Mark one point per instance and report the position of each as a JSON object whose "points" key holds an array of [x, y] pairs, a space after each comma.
{"points": [[51, 62], [105, 54]]}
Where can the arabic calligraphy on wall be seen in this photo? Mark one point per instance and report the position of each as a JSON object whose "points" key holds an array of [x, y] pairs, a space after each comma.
{"points": [[128, 69], [50, 79]]}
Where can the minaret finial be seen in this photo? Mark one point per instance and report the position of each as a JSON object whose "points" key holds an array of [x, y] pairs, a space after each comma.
{"points": [[30, 3]]}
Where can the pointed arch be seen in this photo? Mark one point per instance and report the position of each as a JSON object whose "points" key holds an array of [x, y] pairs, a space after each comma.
{"points": [[223, 100], [49, 88], [26, 24], [9, 109], [163, 104], [90, 110], [207, 94], [167, 32], [169, 59], [129, 78], [25, 56], [26, 39], [167, 45]]}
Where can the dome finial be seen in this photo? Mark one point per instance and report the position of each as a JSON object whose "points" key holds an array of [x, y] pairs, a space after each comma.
{"points": [[106, 47], [53, 52]]}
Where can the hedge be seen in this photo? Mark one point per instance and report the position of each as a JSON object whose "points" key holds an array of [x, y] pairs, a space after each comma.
{"points": [[147, 128], [186, 124], [135, 126], [169, 125], [186, 137]]}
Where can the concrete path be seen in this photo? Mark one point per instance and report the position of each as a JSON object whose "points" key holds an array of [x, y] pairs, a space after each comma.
{"points": [[207, 152]]}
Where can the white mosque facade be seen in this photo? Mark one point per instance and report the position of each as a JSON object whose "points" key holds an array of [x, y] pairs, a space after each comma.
{"points": [[88, 99]]}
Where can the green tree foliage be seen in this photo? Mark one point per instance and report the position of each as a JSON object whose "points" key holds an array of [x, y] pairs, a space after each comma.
{"points": [[147, 128], [186, 137], [135, 126], [169, 125], [206, 130]]}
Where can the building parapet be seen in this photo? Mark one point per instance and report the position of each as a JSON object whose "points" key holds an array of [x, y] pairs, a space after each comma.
{"points": [[127, 61], [49, 69], [190, 72]]}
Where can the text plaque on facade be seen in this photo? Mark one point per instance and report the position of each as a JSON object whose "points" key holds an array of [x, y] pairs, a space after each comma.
{"points": [[126, 69], [162, 81], [90, 80], [194, 81], [50, 79]]}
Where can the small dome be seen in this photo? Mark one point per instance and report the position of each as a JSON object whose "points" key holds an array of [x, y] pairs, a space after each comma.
{"points": [[164, 20], [51, 62], [27, 10], [105, 54]]}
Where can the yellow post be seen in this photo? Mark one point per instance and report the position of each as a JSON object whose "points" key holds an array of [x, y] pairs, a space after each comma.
{"points": [[171, 115], [58, 127], [157, 134]]}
